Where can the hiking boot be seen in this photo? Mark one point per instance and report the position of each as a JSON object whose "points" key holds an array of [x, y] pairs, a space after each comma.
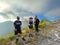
{"points": [[36, 33], [23, 39], [30, 35]]}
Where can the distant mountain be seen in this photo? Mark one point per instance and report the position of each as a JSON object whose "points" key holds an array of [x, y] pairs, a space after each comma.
{"points": [[56, 21], [45, 20], [7, 27]]}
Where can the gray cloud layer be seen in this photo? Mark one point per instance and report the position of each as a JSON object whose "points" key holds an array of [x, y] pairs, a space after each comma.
{"points": [[50, 8]]}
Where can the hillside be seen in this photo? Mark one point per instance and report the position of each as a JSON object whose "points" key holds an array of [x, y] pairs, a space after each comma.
{"points": [[49, 34], [6, 28]]}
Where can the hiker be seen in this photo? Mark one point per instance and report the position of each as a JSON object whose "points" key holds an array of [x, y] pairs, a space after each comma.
{"points": [[17, 30], [30, 26], [36, 23]]}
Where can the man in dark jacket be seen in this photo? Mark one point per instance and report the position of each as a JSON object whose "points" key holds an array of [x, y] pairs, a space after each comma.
{"points": [[36, 22]]}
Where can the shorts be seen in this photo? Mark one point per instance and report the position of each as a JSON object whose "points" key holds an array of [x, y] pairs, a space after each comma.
{"points": [[30, 26], [18, 31]]}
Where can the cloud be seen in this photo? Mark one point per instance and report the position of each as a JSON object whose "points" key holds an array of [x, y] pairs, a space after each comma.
{"points": [[53, 9], [50, 8], [33, 6], [3, 6], [53, 13], [2, 19], [25, 7], [27, 18], [29, 5]]}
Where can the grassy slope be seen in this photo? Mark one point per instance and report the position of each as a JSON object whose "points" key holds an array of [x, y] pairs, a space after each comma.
{"points": [[4, 40], [10, 37]]}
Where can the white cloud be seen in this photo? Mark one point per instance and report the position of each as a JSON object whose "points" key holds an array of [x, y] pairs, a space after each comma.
{"points": [[3, 6], [2, 19], [30, 5], [27, 18]]}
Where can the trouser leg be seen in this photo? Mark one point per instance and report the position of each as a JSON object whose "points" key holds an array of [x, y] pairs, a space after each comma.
{"points": [[36, 28]]}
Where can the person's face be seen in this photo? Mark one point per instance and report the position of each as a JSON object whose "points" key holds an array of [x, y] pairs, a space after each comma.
{"points": [[30, 19], [18, 18], [35, 18]]}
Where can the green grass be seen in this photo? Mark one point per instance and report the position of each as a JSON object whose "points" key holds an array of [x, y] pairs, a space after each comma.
{"points": [[10, 37], [4, 40], [42, 25]]}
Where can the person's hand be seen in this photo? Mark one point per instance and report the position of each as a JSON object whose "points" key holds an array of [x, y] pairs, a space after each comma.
{"points": [[28, 24], [20, 26], [14, 29], [33, 23]]}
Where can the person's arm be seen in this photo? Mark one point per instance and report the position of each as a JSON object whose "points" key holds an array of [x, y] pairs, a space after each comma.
{"points": [[14, 27], [34, 22], [20, 24], [38, 21]]}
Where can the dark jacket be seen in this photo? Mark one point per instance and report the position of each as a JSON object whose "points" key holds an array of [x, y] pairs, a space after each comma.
{"points": [[37, 22]]}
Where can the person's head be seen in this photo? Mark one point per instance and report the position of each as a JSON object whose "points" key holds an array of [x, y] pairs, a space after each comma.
{"points": [[30, 18], [35, 17], [18, 18]]}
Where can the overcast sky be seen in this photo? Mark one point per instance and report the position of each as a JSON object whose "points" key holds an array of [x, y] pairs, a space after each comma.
{"points": [[23, 8]]}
